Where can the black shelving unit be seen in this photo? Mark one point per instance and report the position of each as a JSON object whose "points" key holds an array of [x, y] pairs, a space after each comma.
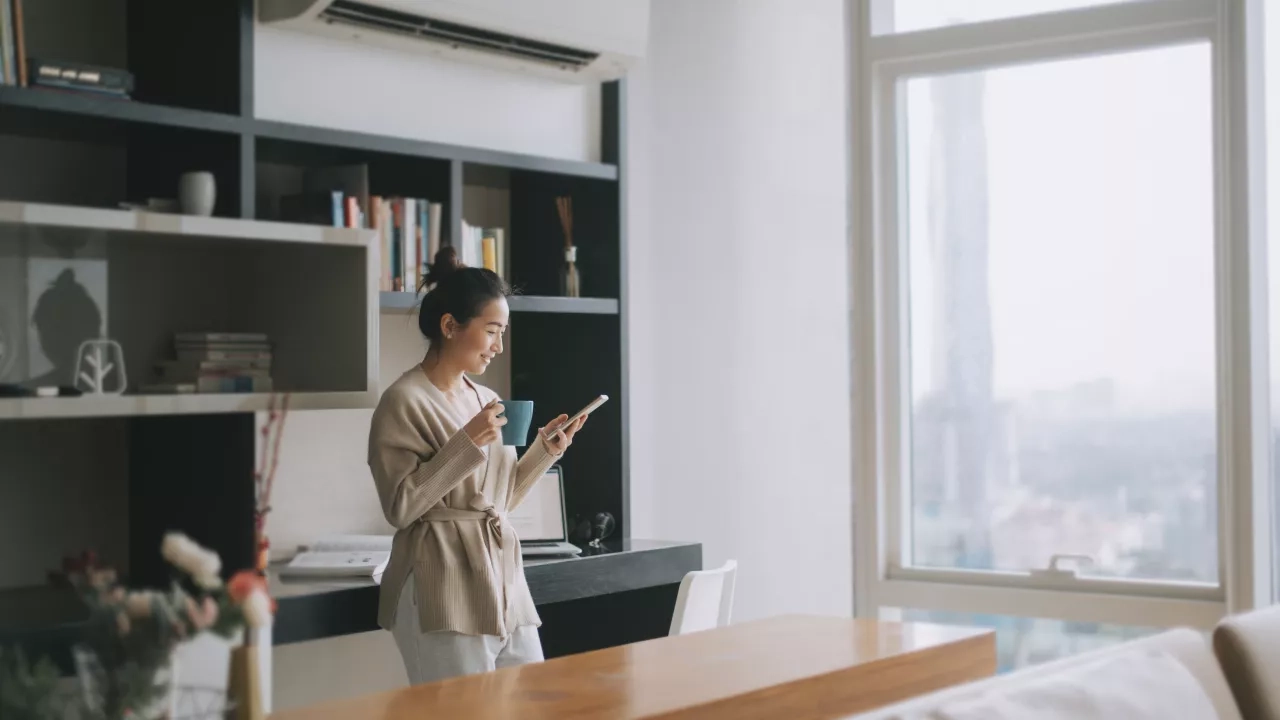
{"points": [[193, 109]]}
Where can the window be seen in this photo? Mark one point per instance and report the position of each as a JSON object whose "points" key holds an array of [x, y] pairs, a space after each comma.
{"points": [[1061, 315], [1272, 42], [898, 16], [1061, 305], [1025, 641]]}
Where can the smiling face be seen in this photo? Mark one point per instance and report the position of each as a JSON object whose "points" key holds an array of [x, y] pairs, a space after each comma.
{"points": [[471, 347]]}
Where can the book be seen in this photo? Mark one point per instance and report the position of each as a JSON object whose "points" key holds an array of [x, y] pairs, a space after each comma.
{"points": [[341, 556], [435, 211], [81, 76], [352, 215], [337, 208], [220, 338], [233, 384], [202, 354], [425, 258], [8, 61], [20, 42], [196, 368], [410, 241], [489, 251], [347, 183], [409, 234], [397, 245]]}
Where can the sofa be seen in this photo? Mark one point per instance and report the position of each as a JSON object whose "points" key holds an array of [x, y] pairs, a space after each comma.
{"points": [[1232, 673]]}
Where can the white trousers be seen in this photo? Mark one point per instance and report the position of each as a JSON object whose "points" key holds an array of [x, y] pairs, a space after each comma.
{"points": [[432, 656]]}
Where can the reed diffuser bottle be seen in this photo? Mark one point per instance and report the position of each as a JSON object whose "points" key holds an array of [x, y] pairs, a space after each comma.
{"points": [[570, 279]]}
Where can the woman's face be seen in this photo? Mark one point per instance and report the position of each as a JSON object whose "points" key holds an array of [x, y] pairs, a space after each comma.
{"points": [[474, 345]]}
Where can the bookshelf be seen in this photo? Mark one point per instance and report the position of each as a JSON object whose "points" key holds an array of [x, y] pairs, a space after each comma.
{"points": [[74, 158]]}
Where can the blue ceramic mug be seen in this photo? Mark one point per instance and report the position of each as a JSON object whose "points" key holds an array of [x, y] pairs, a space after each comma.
{"points": [[519, 415]]}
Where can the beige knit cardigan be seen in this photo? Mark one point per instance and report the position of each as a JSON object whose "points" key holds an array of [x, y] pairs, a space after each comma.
{"points": [[448, 499]]}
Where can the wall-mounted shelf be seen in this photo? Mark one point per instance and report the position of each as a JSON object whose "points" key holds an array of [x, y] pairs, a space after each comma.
{"points": [[175, 225], [105, 108], [310, 289], [520, 303], [189, 404], [327, 137]]}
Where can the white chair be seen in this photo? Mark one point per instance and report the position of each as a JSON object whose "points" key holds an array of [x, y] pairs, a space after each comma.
{"points": [[705, 599]]}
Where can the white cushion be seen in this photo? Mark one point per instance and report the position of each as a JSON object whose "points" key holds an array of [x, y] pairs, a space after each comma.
{"points": [[1248, 647], [1137, 685], [1188, 647]]}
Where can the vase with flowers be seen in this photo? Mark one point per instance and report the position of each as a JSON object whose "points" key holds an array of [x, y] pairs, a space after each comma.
{"points": [[124, 659]]}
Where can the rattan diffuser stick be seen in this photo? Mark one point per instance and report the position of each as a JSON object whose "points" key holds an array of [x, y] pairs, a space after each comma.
{"points": [[570, 280], [564, 205]]}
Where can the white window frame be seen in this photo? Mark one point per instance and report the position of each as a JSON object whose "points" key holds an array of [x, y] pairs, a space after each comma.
{"points": [[884, 581]]}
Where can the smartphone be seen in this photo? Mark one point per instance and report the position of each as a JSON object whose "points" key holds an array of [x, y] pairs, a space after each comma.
{"points": [[584, 411]]}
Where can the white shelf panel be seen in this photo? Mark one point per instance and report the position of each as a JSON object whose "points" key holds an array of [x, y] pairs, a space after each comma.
{"points": [[186, 404], [72, 216]]}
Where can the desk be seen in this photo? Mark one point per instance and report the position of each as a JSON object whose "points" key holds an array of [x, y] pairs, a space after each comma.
{"points": [[786, 668], [579, 598]]}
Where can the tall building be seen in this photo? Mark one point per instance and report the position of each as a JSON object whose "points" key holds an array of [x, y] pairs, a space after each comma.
{"points": [[955, 430]]}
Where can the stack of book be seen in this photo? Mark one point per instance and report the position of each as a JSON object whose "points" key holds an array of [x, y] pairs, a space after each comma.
{"points": [[483, 247], [209, 362], [80, 78], [409, 230]]}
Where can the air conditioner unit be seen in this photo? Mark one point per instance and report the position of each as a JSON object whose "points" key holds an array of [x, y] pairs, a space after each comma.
{"points": [[575, 40]]}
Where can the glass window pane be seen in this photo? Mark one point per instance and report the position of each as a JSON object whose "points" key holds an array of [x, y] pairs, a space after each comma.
{"points": [[1060, 234], [1023, 641], [1272, 74], [897, 16]]}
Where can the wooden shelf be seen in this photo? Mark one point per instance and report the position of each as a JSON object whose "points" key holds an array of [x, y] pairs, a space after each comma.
{"points": [[329, 138], [520, 303], [89, 105], [71, 216], [188, 404]]}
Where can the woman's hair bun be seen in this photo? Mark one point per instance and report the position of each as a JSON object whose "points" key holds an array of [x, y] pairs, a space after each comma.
{"points": [[446, 264]]}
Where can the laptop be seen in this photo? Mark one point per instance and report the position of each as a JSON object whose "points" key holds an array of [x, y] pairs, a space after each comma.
{"points": [[540, 520]]}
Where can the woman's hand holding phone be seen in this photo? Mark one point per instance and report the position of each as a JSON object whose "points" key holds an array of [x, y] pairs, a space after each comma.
{"points": [[560, 438], [558, 434]]}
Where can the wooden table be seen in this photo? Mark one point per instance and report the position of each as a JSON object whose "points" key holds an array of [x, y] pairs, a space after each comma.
{"points": [[788, 668]]}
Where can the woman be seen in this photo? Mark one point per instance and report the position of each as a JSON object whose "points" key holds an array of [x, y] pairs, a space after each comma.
{"points": [[454, 593]]}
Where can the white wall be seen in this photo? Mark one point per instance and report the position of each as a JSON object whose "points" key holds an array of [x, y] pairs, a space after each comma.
{"points": [[739, 301], [740, 327], [332, 83]]}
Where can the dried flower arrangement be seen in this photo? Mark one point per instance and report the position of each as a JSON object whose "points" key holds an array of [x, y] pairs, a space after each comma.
{"points": [[265, 475]]}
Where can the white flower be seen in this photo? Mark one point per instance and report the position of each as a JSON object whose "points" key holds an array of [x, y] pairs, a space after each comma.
{"points": [[257, 609], [185, 554]]}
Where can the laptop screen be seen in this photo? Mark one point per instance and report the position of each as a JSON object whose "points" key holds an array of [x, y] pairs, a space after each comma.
{"points": [[541, 516]]}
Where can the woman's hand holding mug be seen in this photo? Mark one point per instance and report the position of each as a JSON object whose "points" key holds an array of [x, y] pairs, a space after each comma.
{"points": [[486, 427]]}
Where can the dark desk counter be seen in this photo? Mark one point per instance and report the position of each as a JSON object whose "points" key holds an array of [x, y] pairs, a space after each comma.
{"points": [[312, 609]]}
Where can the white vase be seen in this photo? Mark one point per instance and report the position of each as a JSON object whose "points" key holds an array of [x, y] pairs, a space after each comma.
{"points": [[197, 192]]}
